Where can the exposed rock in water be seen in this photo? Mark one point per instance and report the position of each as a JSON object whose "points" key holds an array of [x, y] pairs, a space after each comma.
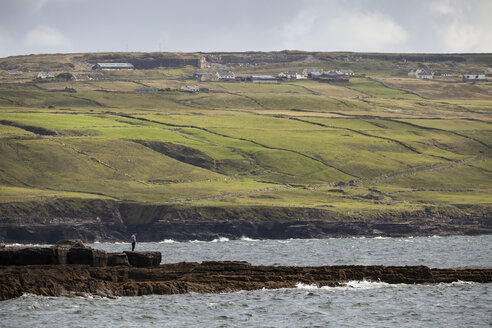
{"points": [[74, 252], [80, 280]]}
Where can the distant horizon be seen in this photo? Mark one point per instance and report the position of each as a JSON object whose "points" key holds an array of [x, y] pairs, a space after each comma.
{"points": [[253, 51], [376, 26]]}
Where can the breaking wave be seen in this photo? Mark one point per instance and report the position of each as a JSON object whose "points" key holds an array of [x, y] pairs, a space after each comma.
{"points": [[220, 240]]}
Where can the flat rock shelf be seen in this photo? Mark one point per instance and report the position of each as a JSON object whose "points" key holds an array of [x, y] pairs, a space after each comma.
{"points": [[207, 277]]}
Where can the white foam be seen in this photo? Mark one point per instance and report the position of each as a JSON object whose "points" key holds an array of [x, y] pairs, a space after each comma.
{"points": [[28, 245], [167, 241], [220, 240], [457, 283], [350, 285], [248, 239], [381, 237]]}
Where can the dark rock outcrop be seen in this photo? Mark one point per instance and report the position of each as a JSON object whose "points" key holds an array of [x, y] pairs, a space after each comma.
{"points": [[144, 259], [75, 252], [87, 255], [115, 259], [84, 280]]}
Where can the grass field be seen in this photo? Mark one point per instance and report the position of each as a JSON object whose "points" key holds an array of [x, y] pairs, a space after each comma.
{"points": [[375, 145]]}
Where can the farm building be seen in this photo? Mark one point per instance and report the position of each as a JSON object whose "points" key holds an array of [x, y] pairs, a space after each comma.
{"points": [[226, 75], [443, 73], [474, 77], [287, 75], [112, 66], [330, 76], [45, 75], [345, 72], [190, 88], [312, 71], [291, 76], [421, 74], [262, 79]]}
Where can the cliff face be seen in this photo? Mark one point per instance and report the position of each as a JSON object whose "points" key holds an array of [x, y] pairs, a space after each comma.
{"points": [[99, 220], [48, 222], [209, 277]]}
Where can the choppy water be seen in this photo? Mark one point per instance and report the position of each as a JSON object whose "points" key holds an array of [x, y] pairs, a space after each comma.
{"points": [[435, 252], [359, 304]]}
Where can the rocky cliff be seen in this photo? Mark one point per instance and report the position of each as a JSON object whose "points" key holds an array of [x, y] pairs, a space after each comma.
{"points": [[104, 220]]}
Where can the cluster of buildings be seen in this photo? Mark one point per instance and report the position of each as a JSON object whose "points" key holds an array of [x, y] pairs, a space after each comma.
{"points": [[429, 75], [207, 76], [309, 73]]}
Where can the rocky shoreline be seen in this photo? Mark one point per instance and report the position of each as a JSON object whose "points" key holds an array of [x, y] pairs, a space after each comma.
{"points": [[207, 277], [98, 220], [72, 269]]}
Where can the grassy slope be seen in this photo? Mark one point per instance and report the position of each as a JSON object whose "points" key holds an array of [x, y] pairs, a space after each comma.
{"points": [[406, 145]]}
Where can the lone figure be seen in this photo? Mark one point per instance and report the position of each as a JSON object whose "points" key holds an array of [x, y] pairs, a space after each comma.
{"points": [[134, 240]]}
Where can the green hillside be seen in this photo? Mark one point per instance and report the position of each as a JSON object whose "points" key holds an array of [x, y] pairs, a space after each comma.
{"points": [[381, 143]]}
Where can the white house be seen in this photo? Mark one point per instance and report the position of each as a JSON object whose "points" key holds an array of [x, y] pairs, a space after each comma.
{"points": [[45, 75], [226, 75], [474, 77], [309, 71], [421, 74], [345, 72], [190, 88]]}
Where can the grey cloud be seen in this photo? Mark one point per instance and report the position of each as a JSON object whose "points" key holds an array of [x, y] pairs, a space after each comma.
{"points": [[223, 25]]}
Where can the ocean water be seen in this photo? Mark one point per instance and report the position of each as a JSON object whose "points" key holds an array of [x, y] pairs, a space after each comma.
{"points": [[358, 304], [435, 252]]}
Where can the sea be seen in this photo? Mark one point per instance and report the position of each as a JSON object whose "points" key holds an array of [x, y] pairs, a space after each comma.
{"points": [[356, 304]]}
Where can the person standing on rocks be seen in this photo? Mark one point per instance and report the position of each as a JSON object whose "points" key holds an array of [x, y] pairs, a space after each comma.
{"points": [[134, 240]]}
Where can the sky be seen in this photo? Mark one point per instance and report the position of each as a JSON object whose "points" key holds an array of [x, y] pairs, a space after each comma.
{"points": [[415, 26]]}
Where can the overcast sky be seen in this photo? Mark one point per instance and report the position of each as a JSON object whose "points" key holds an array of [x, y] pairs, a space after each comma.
{"points": [[437, 26]]}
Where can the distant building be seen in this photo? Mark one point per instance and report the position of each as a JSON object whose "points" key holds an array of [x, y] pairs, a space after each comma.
{"points": [[421, 74], [286, 75], [345, 72], [474, 77], [206, 76], [262, 79], [112, 66], [45, 75], [15, 72], [225, 75], [190, 88], [312, 71], [488, 71], [443, 74], [300, 76], [332, 76]]}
